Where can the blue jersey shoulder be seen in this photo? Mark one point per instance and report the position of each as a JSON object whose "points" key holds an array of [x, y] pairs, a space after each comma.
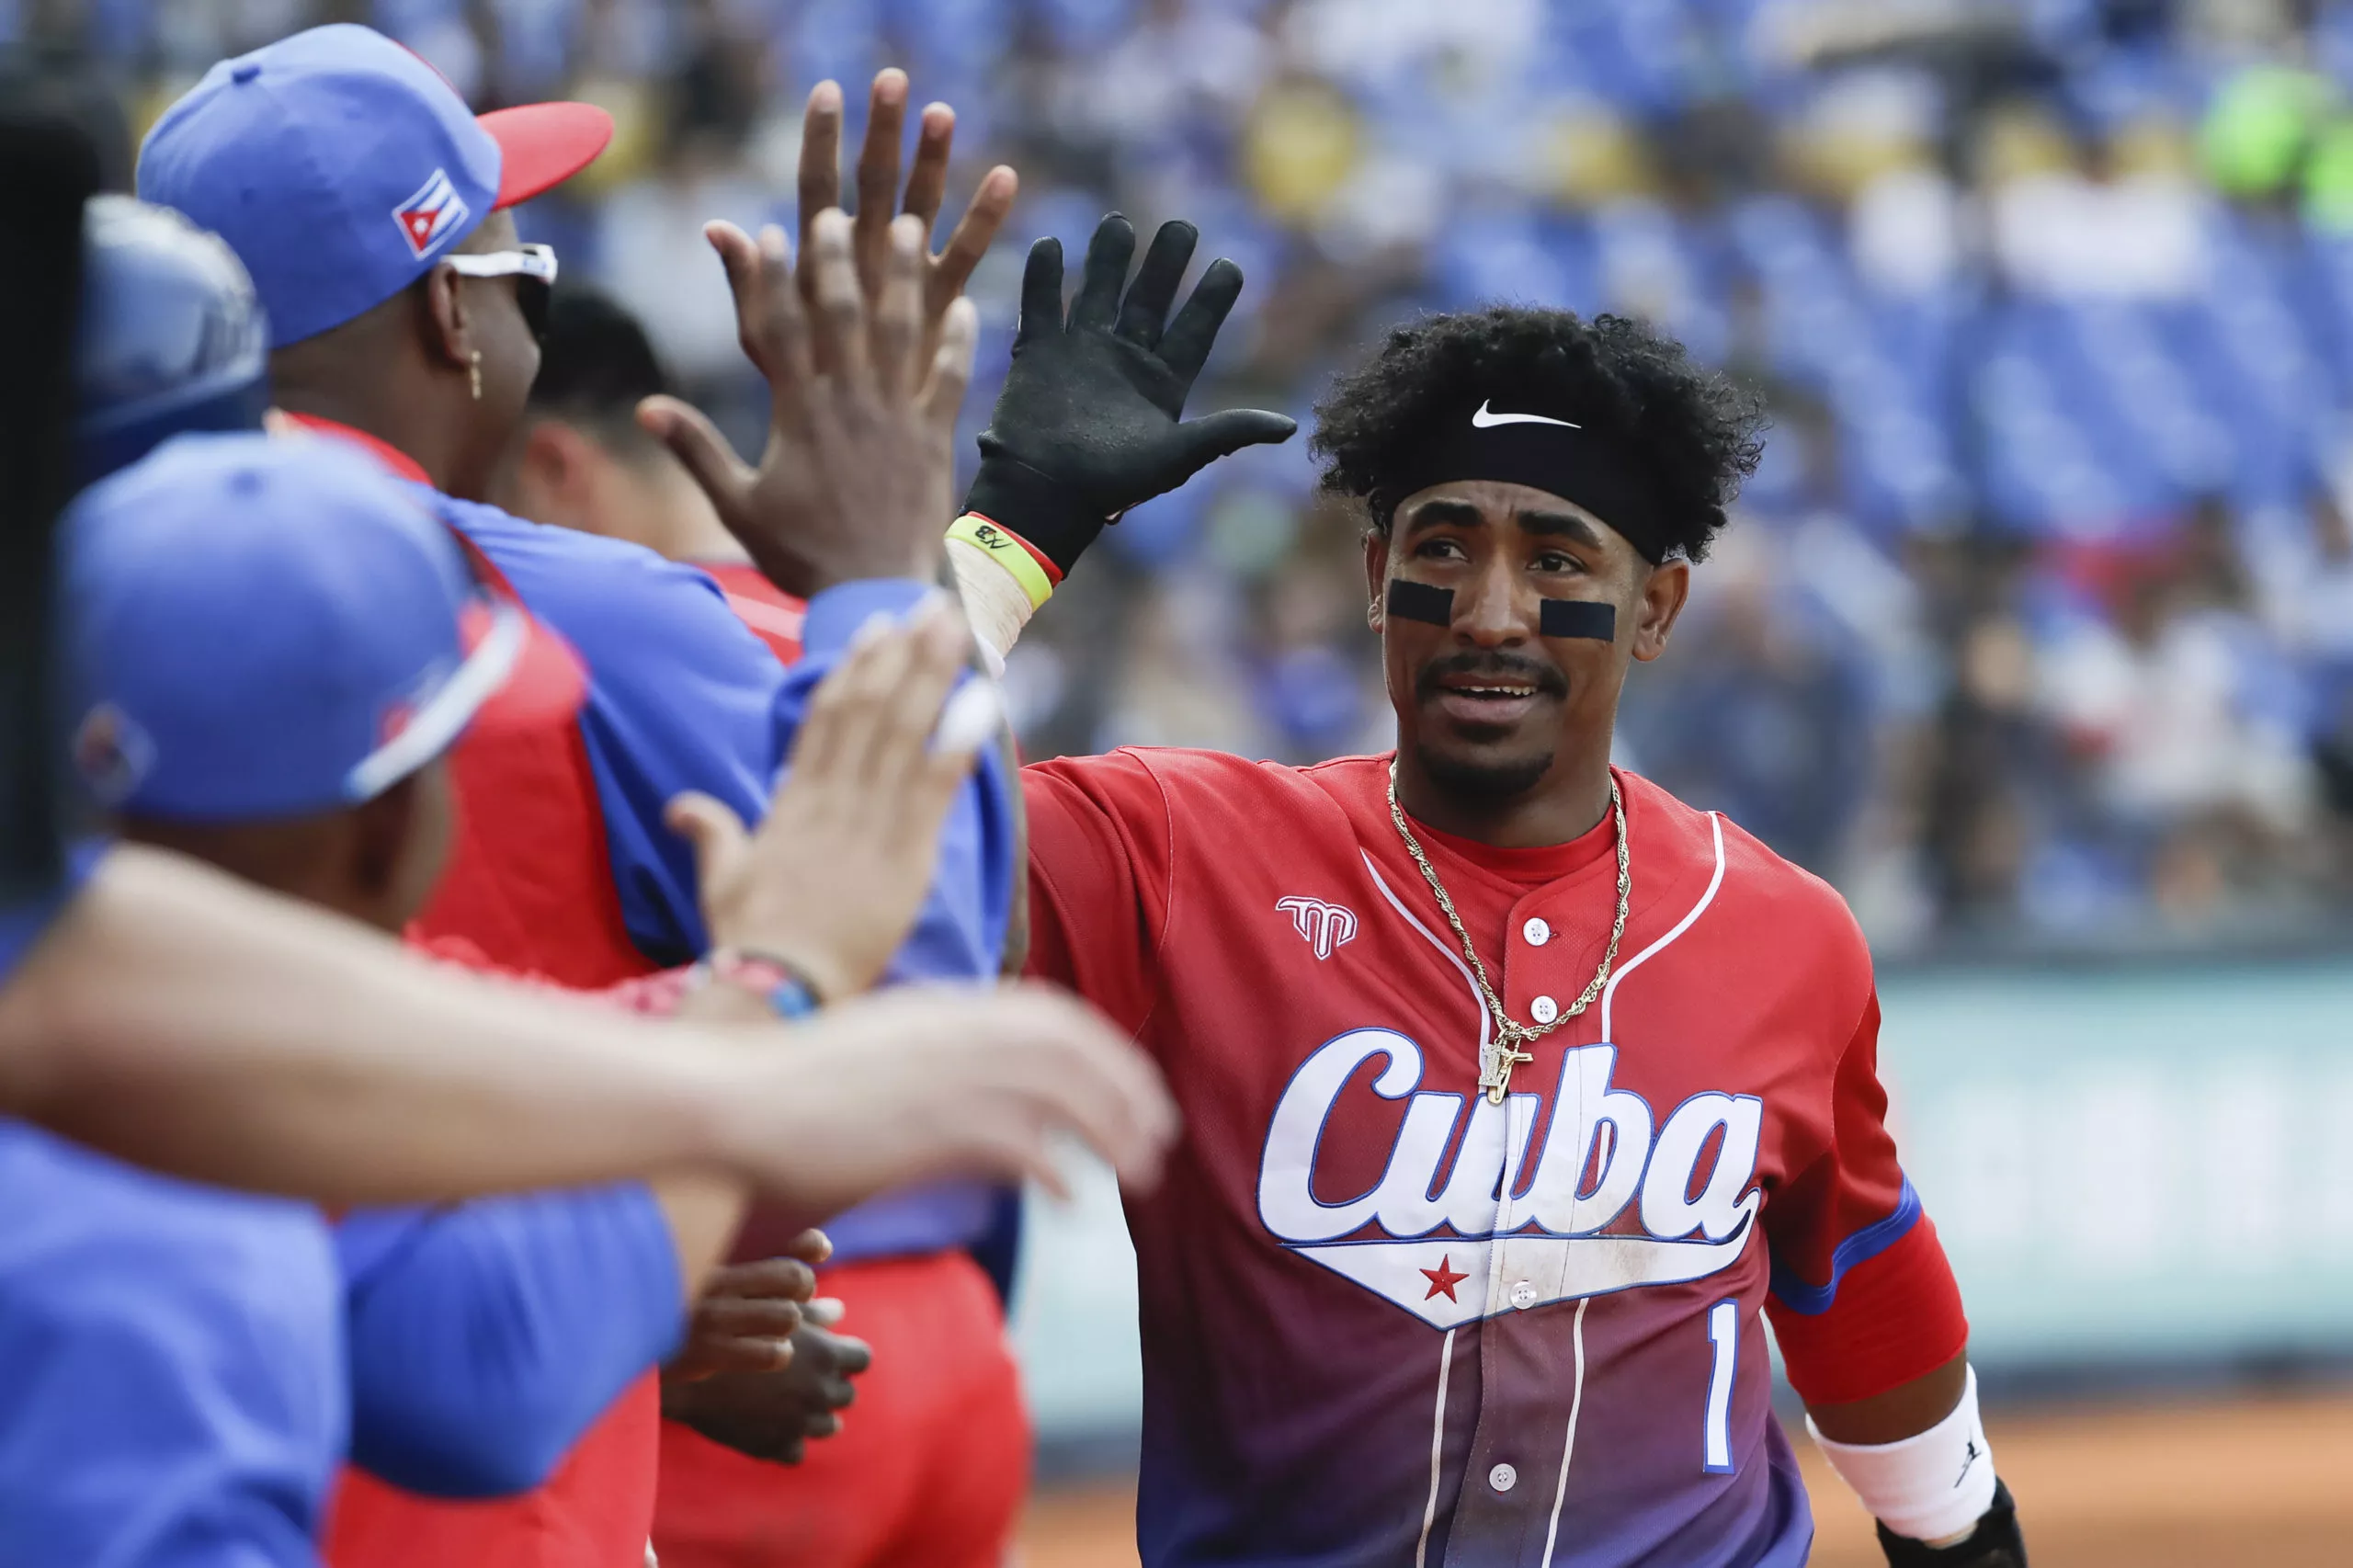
{"points": [[174, 1362], [681, 696]]}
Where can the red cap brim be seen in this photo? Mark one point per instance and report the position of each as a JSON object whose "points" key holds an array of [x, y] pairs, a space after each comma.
{"points": [[541, 146], [544, 688]]}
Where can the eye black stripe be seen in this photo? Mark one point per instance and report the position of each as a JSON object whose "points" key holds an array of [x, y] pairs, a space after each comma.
{"points": [[1578, 617], [1419, 601]]}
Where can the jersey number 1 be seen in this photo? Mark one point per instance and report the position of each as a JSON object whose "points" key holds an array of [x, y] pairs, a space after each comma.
{"points": [[1724, 1338]]}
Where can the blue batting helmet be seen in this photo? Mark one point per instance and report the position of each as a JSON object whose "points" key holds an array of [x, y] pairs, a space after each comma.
{"points": [[171, 336]]}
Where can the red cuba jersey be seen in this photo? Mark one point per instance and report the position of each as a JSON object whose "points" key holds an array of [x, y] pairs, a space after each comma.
{"points": [[1387, 1322]]}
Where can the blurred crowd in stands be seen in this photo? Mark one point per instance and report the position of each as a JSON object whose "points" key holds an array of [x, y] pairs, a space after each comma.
{"points": [[2036, 630]]}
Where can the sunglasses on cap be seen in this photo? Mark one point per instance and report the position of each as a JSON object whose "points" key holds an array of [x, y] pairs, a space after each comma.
{"points": [[532, 268]]}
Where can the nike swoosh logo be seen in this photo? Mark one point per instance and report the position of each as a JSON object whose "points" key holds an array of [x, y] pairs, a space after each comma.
{"points": [[1488, 419]]}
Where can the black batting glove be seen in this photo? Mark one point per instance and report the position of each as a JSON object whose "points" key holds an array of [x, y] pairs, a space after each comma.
{"points": [[1994, 1543], [1088, 423]]}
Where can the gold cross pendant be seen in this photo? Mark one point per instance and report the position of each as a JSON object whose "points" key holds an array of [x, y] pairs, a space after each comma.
{"points": [[1499, 1060]]}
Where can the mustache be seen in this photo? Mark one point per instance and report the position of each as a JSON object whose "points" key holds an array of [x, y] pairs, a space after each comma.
{"points": [[1546, 679]]}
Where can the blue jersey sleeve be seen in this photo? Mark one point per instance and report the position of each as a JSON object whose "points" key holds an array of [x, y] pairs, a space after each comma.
{"points": [[959, 934], [681, 696], [961, 930], [172, 1362], [486, 1338]]}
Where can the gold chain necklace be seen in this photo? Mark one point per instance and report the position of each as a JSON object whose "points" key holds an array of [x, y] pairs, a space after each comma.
{"points": [[1498, 1060]]}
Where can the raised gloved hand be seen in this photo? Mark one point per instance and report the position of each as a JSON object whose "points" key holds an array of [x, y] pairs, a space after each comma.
{"points": [[1088, 423]]}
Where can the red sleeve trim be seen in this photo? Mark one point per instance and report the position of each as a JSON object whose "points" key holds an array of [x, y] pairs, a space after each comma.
{"points": [[1897, 1316]]}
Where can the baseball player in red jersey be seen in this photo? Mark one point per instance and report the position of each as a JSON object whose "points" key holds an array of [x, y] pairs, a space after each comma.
{"points": [[1518, 1094]]}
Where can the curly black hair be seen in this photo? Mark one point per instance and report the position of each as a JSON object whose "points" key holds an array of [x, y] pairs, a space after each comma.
{"points": [[1691, 436]]}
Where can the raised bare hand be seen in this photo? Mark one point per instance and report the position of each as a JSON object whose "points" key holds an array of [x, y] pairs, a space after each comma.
{"points": [[859, 468], [833, 879], [944, 273]]}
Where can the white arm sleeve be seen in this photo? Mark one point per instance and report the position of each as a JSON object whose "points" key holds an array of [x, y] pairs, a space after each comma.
{"points": [[1933, 1486]]}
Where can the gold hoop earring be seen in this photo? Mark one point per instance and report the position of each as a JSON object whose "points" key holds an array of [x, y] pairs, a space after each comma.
{"points": [[473, 371]]}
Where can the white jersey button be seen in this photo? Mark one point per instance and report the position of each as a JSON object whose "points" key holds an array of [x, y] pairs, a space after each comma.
{"points": [[1536, 932], [1543, 1009], [1503, 1478], [1523, 1295]]}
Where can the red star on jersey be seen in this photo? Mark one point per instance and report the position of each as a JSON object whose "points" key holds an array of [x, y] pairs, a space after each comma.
{"points": [[1443, 1278]]}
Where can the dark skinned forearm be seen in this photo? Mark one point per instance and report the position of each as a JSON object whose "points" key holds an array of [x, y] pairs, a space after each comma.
{"points": [[1905, 1410]]}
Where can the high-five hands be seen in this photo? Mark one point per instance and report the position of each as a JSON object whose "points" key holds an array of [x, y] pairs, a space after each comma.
{"points": [[944, 275], [860, 463], [874, 290], [1088, 423]]}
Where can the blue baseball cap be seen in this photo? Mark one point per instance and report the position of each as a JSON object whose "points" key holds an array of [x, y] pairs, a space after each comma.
{"points": [[339, 166], [171, 338], [262, 628]]}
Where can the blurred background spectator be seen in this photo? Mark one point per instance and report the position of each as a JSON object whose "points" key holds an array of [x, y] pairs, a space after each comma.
{"points": [[2037, 628]]}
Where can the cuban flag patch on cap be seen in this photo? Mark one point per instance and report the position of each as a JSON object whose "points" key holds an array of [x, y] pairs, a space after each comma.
{"points": [[432, 215]]}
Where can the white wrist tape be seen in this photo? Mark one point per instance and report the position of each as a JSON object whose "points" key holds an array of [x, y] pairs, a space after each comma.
{"points": [[1933, 1486], [995, 600], [970, 717]]}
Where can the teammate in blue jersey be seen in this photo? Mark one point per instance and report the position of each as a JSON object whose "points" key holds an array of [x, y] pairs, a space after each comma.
{"points": [[401, 303], [134, 1429], [402, 306], [479, 1337]]}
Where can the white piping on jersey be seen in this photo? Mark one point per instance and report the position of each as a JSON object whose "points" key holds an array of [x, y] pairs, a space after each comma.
{"points": [[1478, 1002], [1445, 1354], [1609, 992], [1577, 1403], [1437, 1445], [1577, 1326], [1517, 1106]]}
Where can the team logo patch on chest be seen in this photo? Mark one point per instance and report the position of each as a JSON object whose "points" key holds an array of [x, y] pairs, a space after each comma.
{"points": [[1327, 927], [1617, 1196]]}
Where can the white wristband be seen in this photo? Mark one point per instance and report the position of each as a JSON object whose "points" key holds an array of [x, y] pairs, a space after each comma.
{"points": [[1933, 1486], [995, 601]]}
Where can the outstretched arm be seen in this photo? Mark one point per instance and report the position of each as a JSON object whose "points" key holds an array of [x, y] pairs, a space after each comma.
{"points": [[181, 1019], [178, 1018]]}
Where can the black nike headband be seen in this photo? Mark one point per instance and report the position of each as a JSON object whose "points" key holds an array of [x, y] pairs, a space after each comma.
{"points": [[1539, 450]]}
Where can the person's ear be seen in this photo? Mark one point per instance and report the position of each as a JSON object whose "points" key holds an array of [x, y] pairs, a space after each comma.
{"points": [[1662, 597], [445, 323], [553, 468], [1376, 576]]}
